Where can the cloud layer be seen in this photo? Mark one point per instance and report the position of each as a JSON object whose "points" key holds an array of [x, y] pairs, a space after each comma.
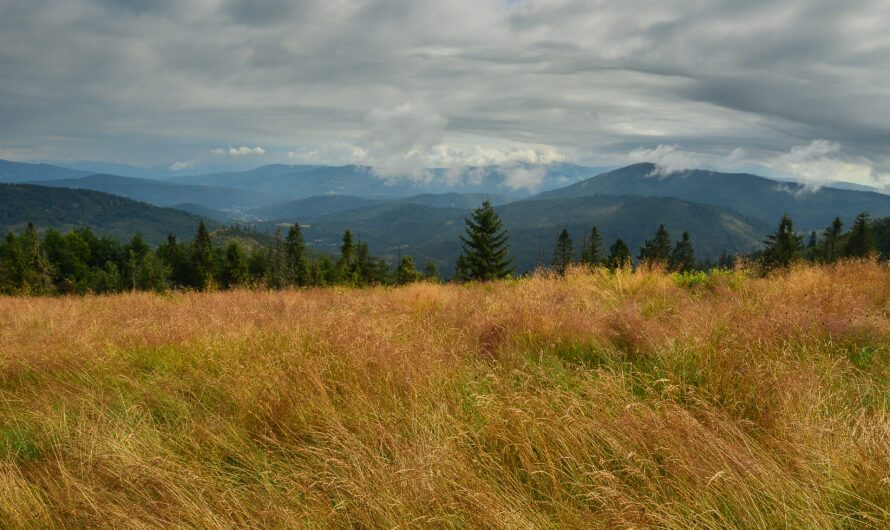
{"points": [[409, 84]]}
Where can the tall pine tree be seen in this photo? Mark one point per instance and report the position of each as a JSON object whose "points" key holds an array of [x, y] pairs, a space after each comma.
{"points": [[619, 255], [563, 254], [683, 255], [592, 251], [296, 255], [406, 273], [783, 246], [658, 249], [832, 237], [485, 248], [203, 258], [860, 240]]}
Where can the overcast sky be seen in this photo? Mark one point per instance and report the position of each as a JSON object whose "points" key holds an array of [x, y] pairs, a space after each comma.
{"points": [[792, 86]]}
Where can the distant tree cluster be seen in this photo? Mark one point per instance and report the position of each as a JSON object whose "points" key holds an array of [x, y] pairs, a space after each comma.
{"points": [[485, 253], [785, 245], [81, 262], [658, 250]]}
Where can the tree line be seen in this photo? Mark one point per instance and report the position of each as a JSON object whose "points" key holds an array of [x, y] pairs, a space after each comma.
{"points": [[485, 253], [785, 245], [81, 262]]}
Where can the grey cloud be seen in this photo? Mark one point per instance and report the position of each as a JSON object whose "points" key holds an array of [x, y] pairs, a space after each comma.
{"points": [[156, 81]]}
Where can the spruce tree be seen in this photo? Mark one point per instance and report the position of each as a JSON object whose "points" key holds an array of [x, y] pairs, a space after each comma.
{"points": [[485, 248], [203, 259], [405, 272], [296, 255], [860, 240], [431, 271], [683, 255], [40, 270], [782, 246], [13, 267], [726, 261], [280, 273], [364, 269], [832, 237], [563, 254], [592, 251], [153, 273], [658, 249], [619, 255], [346, 263], [235, 270]]}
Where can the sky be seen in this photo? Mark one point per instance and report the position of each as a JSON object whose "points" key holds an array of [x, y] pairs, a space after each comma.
{"points": [[787, 87]]}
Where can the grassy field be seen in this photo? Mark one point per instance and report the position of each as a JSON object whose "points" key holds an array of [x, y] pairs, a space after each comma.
{"points": [[596, 400]]}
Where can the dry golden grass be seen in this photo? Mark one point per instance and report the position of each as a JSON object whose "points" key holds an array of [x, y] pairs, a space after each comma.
{"points": [[594, 400]]}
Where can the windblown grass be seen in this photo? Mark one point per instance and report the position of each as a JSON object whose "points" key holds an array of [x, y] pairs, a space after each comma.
{"points": [[594, 400]]}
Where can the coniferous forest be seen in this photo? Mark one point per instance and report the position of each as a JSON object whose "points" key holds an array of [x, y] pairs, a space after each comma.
{"points": [[81, 262]]}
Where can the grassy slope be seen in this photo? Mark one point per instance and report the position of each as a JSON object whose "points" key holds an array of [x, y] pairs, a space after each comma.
{"points": [[594, 400]]}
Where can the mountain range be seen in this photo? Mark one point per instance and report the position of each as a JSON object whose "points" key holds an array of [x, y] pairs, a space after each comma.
{"points": [[750, 195], [64, 209], [731, 211]]}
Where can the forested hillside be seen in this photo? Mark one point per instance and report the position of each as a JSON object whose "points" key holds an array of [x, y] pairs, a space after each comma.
{"points": [[750, 195], [166, 193], [428, 233], [64, 209]]}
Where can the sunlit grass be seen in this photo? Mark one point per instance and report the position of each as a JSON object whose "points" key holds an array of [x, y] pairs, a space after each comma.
{"points": [[628, 399]]}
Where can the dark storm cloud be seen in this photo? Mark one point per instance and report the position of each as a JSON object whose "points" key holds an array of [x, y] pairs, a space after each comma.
{"points": [[158, 81]]}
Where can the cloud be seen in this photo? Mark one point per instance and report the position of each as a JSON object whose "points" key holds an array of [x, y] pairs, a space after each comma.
{"points": [[332, 154], [820, 162], [406, 82], [407, 142], [397, 141], [518, 178], [671, 158], [667, 159], [181, 166], [239, 151], [813, 164]]}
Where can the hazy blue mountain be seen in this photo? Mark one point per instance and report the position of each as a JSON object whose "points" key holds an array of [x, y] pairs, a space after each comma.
{"points": [[302, 209], [14, 172], [457, 200], [264, 175], [64, 209], [430, 233], [753, 196], [300, 182], [203, 211], [166, 193], [853, 186], [92, 167]]}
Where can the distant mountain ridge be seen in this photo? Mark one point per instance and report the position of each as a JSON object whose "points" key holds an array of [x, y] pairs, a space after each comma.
{"points": [[20, 172], [300, 182], [302, 209], [732, 211], [64, 209], [430, 233], [750, 195], [162, 193]]}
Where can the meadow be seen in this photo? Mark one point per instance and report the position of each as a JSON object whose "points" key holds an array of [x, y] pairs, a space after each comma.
{"points": [[631, 399]]}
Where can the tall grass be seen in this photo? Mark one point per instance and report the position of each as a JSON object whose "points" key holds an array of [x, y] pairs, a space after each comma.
{"points": [[593, 400]]}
